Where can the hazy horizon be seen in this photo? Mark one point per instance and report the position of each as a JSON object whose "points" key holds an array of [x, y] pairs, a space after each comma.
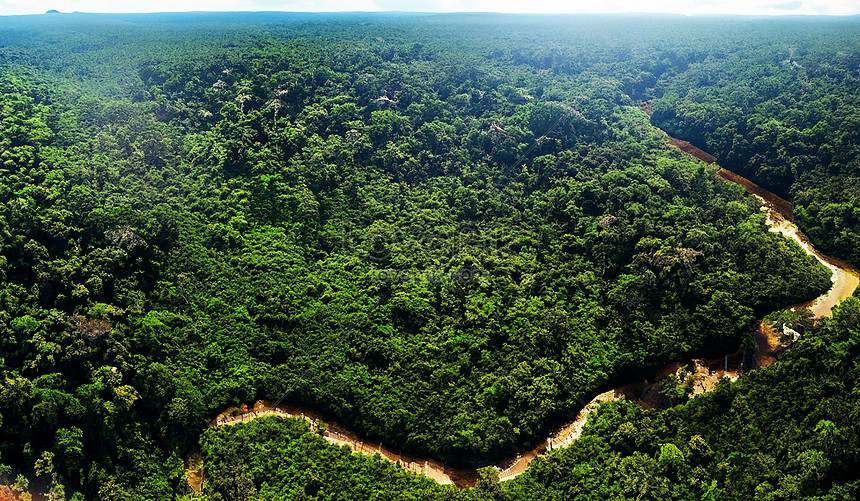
{"points": [[683, 7]]}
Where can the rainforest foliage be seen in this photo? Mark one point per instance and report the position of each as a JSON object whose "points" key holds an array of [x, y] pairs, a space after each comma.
{"points": [[785, 432], [783, 110], [445, 231]]}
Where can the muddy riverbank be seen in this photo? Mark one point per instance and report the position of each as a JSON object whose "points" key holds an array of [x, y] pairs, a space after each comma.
{"points": [[646, 393], [704, 374]]}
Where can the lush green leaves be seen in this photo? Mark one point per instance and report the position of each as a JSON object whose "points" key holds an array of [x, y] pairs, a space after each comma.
{"points": [[446, 244]]}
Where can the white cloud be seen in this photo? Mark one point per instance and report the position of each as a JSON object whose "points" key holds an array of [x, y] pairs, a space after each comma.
{"points": [[756, 7]]}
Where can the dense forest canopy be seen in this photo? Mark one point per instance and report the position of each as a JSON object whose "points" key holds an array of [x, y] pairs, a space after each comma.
{"points": [[786, 432], [447, 231]]}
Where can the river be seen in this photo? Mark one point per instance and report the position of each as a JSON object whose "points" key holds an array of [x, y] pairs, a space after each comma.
{"points": [[707, 372], [844, 278]]}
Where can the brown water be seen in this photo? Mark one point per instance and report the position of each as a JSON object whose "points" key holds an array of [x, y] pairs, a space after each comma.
{"points": [[844, 278], [462, 477], [706, 373], [780, 217], [643, 392], [339, 435]]}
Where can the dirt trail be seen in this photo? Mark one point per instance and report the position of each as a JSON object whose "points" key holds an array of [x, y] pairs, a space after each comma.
{"points": [[705, 373]]}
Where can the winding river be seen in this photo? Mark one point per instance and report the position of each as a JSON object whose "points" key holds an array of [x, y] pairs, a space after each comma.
{"points": [[845, 279], [707, 373]]}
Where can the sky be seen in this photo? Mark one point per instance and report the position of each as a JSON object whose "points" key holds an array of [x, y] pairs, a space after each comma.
{"points": [[689, 7]]}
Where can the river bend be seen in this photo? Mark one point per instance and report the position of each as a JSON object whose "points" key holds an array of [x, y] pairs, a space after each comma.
{"points": [[779, 219]]}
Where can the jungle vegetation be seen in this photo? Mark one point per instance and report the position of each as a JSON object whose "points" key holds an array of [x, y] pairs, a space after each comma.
{"points": [[447, 231]]}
